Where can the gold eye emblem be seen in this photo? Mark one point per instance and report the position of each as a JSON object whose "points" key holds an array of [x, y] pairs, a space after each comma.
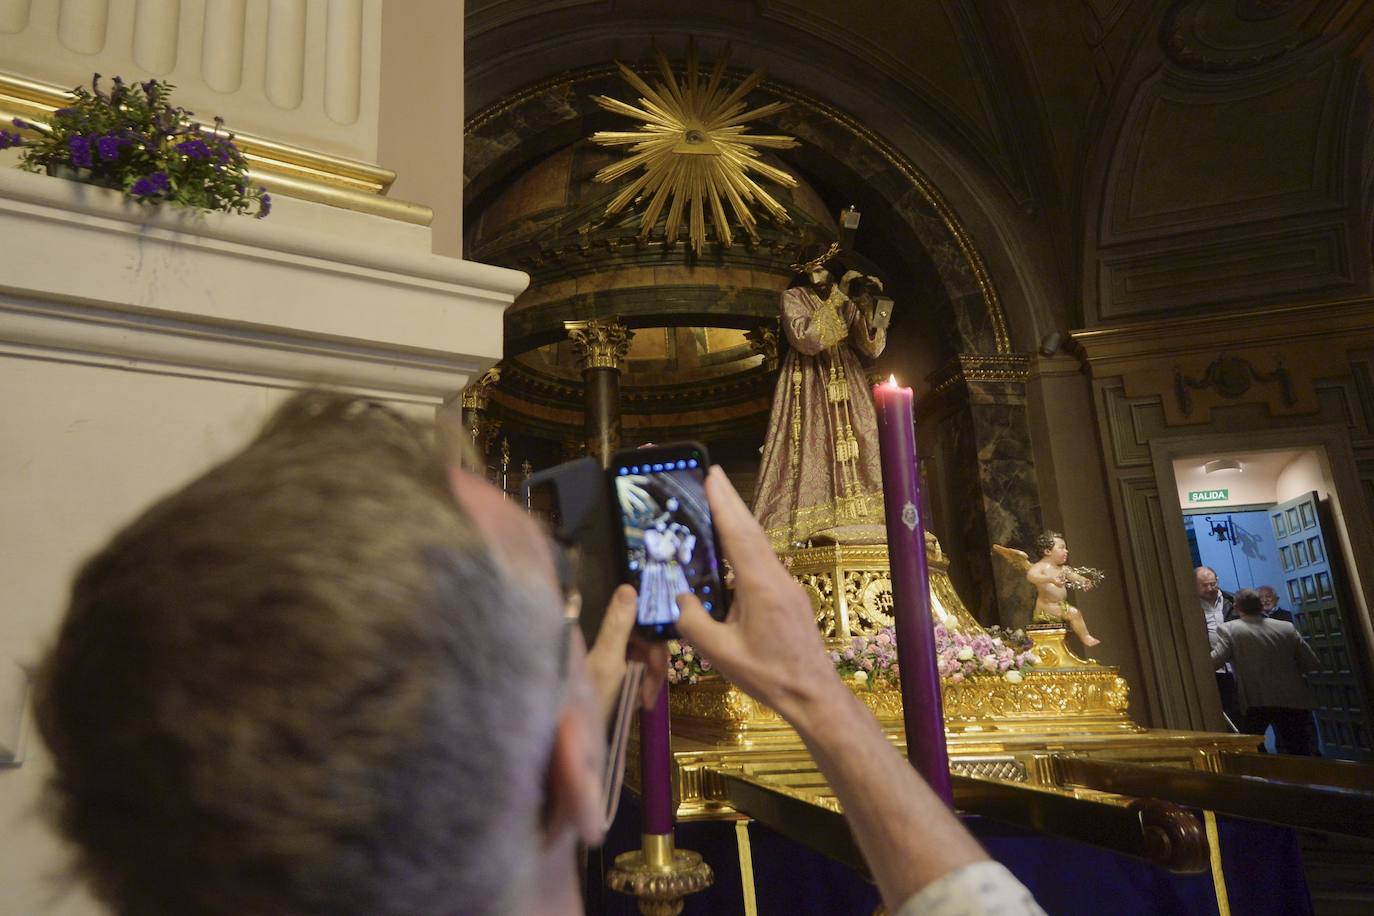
{"points": [[695, 156]]}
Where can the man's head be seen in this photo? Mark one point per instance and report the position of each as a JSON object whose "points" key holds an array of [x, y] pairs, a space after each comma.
{"points": [[1268, 597], [1049, 545], [1247, 602], [1207, 584], [304, 683], [820, 280]]}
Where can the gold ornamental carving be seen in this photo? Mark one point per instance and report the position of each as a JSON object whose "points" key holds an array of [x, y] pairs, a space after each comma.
{"points": [[659, 875], [477, 395], [695, 156], [600, 344]]}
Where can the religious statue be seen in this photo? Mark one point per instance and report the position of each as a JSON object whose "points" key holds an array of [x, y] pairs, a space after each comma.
{"points": [[1052, 577], [820, 477]]}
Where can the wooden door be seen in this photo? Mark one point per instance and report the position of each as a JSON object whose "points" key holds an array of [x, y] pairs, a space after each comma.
{"points": [[1316, 596]]}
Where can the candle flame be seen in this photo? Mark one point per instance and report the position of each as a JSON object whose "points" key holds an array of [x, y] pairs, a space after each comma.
{"points": [[892, 381]]}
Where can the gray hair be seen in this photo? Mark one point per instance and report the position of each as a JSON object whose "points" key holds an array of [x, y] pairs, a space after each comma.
{"points": [[303, 684]]}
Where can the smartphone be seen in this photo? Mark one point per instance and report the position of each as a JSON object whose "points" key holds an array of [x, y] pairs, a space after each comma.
{"points": [[882, 311], [667, 540]]}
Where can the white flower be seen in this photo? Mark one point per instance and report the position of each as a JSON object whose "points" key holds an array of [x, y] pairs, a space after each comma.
{"points": [[990, 662], [1014, 676], [965, 653], [860, 677], [674, 647], [1031, 659], [948, 621]]}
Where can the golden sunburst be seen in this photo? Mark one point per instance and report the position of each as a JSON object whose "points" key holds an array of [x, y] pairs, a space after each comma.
{"points": [[694, 152]]}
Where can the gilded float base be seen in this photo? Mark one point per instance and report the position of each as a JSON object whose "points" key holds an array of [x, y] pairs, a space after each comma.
{"points": [[995, 728], [659, 875]]}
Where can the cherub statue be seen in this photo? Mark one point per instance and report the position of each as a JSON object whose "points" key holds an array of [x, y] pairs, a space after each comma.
{"points": [[1052, 577]]}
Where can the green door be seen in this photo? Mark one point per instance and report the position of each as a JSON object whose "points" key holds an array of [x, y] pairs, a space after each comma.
{"points": [[1315, 594]]}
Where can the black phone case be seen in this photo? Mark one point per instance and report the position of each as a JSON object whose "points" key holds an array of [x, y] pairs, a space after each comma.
{"points": [[640, 456]]}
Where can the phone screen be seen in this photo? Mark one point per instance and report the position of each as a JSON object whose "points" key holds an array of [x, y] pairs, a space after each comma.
{"points": [[669, 539]]}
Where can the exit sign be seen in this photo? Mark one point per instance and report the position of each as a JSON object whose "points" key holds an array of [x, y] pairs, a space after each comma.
{"points": [[1208, 496]]}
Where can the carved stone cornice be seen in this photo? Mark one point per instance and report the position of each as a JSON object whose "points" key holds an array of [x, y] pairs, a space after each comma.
{"points": [[1267, 355], [979, 367], [600, 344]]}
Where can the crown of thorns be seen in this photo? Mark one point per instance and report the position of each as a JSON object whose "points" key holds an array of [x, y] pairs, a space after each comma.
{"points": [[817, 263]]}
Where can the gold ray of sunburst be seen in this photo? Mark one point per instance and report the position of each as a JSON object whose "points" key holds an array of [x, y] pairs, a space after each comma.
{"points": [[694, 152]]}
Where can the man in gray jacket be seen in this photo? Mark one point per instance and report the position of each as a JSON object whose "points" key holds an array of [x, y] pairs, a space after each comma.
{"points": [[1270, 659]]}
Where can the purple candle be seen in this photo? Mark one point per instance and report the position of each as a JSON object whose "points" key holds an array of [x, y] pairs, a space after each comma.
{"points": [[655, 766], [922, 711]]}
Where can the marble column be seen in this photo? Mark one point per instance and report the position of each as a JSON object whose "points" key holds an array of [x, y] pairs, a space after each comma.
{"points": [[974, 429], [601, 348]]}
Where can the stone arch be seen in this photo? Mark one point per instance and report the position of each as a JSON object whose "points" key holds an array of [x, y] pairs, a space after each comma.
{"points": [[541, 118]]}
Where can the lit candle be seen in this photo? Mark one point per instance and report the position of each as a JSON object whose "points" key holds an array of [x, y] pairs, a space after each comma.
{"points": [[655, 767], [922, 711]]}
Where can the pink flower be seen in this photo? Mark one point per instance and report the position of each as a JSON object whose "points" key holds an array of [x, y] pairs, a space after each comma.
{"points": [[957, 676]]}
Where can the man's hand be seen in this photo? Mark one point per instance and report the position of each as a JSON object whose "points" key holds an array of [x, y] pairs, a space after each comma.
{"points": [[614, 646], [769, 647], [769, 610]]}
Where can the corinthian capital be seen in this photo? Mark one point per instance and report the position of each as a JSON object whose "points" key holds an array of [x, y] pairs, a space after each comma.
{"points": [[600, 343], [476, 394]]}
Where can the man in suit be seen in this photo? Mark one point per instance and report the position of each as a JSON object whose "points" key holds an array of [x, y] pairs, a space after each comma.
{"points": [[1270, 660], [1270, 599], [1217, 609]]}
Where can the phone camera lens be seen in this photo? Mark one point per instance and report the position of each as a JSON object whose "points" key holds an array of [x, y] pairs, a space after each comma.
{"points": [[707, 605]]}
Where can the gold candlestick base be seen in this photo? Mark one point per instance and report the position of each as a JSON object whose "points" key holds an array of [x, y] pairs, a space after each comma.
{"points": [[659, 875]]}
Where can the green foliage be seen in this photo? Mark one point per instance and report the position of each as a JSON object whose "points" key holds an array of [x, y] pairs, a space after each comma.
{"points": [[134, 140]]}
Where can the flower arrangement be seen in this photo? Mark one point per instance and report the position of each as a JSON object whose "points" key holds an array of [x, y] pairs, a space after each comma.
{"points": [[685, 664], [871, 661], [959, 656], [132, 139]]}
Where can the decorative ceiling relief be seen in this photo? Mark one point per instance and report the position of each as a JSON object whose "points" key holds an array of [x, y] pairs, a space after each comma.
{"points": [[1224, 35], [695, 155]]}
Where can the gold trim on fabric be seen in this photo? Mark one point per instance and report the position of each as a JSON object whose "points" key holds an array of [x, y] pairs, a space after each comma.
{"points": [[866, 508], [1218, 877], [746, 868]]}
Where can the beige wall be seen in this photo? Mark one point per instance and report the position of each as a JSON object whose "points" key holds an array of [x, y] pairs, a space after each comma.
{"points": [[304, 72], [421, 128], [1074, 500]]}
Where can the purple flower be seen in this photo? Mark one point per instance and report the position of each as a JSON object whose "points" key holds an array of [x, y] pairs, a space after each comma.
{"points": [[194, 149], [149, 185], [81, 151], [264, 204], [21, 123], [8, 139], [108, 147]]}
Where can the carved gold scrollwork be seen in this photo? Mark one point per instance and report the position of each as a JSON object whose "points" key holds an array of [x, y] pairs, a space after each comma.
{"points": [[820, 588], [600, 344], [868, 595], [478, 393]]}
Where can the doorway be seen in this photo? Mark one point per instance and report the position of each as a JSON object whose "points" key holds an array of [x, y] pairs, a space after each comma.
{"points": [[1269, 518]]}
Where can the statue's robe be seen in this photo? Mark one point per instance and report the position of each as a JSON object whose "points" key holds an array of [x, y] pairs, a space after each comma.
{"points": [[820, 477]]}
